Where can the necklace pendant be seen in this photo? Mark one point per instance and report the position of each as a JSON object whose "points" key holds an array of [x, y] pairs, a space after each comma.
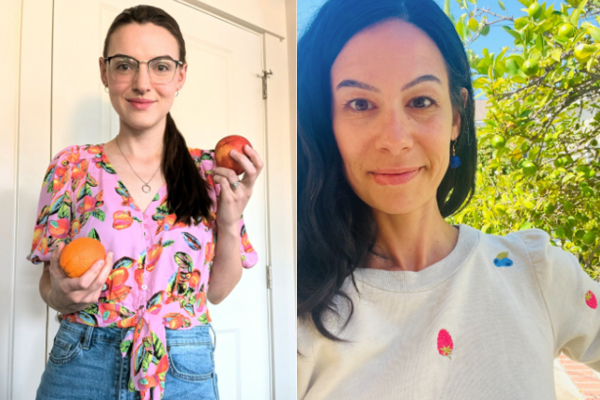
{"points": [[146, 188]]}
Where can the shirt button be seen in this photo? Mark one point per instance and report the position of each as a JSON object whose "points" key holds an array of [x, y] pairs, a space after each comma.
{"points": [[145, 274], [147, 238], [144, 287]]}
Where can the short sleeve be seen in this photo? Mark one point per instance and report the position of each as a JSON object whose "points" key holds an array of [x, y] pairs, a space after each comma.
{"points": [[205, 159], [571, 297], [54, 211]]}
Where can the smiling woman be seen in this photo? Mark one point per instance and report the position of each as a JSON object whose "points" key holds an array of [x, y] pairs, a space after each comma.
{"points": [[393, 301], [136, 325]]}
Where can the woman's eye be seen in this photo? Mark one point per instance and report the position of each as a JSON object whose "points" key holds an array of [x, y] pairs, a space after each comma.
{"points": [[422, 102], [360, 105]]}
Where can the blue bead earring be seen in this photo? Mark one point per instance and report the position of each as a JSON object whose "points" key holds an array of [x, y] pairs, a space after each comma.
{"points": [[454, 160]]}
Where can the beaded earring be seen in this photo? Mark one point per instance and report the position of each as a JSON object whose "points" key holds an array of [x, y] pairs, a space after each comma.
{"points": [[454, 160]]}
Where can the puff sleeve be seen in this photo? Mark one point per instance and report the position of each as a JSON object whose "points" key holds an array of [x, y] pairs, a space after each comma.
{"points": [[54, 211], [571, 299], [205, 159]]}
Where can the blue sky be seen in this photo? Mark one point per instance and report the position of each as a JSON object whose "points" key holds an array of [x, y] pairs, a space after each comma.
{"points": [[494, 41]]}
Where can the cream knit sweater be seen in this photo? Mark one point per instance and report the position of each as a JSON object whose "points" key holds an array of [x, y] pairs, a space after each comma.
{"points": [[486, 322]]}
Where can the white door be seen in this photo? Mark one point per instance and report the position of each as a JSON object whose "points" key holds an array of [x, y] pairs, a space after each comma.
{"points": [[222, 96]]}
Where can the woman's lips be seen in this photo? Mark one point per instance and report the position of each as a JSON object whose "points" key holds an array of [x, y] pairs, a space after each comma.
{"points": [[394, 178], [139, 106]]}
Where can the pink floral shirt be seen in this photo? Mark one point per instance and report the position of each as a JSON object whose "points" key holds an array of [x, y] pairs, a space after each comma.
{"points": [[161, 270]]}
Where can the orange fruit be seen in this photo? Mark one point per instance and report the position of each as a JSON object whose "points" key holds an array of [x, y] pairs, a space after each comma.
{"points": [[79, 255]]}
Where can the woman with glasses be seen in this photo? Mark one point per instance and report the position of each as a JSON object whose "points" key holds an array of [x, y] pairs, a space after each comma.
{"points": [[136, 324], [393, 301]]}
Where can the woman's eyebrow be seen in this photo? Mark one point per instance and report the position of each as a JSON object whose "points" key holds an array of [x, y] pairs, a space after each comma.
{"points": [[366, 86], [356, 84], [423, 78]]}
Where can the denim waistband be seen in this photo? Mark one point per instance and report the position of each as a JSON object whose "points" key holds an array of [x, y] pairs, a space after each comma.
{"points": [[196, 334]]}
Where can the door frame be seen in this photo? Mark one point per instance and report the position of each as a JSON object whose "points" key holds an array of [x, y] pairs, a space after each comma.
{"points": [[35, 121]]}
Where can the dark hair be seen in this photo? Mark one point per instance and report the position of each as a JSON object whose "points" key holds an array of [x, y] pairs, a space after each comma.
{"points": [[336, 229], [187, 191]]}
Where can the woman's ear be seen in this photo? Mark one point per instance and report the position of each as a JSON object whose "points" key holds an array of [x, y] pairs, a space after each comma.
{"points": [[103, 76], [456, 121]]}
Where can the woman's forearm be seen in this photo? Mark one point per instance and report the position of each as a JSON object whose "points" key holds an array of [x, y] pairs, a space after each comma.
{"points": [[226, 270]]}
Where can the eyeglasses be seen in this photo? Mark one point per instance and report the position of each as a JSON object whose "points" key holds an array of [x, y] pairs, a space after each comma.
{"points": [[123, 68]]}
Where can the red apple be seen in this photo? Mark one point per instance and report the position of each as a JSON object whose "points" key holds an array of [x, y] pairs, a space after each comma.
{"points": [[225, 145]]}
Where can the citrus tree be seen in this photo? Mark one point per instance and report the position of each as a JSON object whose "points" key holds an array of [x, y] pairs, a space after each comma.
{"points": [[539, 158]]}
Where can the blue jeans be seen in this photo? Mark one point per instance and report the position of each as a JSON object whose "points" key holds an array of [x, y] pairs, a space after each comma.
{"points": [[85, 363]]}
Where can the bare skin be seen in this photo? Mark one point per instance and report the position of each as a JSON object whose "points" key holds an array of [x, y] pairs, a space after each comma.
{"points": [[392, 112]]}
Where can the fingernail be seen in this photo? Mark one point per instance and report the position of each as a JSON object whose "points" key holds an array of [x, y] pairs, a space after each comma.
{"points": [[101, 265], [234, 152]]}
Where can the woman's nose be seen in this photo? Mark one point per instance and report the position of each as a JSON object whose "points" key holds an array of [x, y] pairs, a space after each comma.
{"points": [[141, 79], [394, 133]]}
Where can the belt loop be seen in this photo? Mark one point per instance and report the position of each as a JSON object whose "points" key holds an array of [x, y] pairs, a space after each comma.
{"points": [[215, 335], [87, 337]]}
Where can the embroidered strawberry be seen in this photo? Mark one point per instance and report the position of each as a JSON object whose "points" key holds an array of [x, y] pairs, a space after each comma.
{"points": [[590, 300], [444, 342], [502, 260]]}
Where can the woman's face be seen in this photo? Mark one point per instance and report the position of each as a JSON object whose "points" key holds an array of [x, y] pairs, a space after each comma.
{"points": [[392, 116], [142, 42]]}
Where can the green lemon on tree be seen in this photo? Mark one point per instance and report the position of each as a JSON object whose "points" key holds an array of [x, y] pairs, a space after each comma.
{"points": [[529, 168], [566, 31], [498, 142], [583, 51], [473, 24], [530, 67], [485, 30], [589, 238], [534, 10], [594, 142], [560, 232], [579, 234]]}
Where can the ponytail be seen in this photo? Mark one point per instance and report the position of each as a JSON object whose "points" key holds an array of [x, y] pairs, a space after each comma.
{"points": [[187, 191]]}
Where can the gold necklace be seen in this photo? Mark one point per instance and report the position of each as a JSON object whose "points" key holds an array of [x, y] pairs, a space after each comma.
{"points": [[146, 188]]}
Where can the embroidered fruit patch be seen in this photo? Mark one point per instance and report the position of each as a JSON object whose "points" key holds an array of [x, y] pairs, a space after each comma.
{"points": [[444, 343], [502, 260], [590, 300]]}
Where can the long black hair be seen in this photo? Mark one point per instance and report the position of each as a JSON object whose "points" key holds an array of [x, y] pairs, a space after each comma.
{"points": [[336, 229], [187, 195]]}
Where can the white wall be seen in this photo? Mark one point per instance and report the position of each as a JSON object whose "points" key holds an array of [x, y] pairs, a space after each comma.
{"points": [[266, 14]]}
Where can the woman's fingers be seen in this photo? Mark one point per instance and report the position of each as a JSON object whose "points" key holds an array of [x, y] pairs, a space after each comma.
{"points": [[226, 173], [225, 185]]}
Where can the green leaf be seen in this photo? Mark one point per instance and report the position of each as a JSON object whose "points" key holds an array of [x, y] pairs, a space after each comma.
{"points": [[575, 15], [99, 214], [94, 234], [514, 34], [594, 33], [501, 4]]}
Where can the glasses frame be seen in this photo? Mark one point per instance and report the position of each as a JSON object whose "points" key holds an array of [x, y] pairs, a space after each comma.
{"points": [[177, 63]]}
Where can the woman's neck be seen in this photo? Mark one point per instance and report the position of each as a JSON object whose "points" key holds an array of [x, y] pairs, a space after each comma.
{"points": [[413, 241]]}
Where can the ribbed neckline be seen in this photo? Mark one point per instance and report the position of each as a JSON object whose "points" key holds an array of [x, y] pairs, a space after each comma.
{"points": [[431, 276]]}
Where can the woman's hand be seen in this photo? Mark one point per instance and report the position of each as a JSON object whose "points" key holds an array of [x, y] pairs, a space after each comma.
{"points": [[232, 202], [226, 270], [69, 295]]}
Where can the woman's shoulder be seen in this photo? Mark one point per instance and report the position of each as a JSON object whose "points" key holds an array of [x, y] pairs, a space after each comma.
{"points": [[534, 244]]}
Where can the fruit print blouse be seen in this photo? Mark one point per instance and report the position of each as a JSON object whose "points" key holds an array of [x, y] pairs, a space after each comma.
{"points": [[161, 270]]}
